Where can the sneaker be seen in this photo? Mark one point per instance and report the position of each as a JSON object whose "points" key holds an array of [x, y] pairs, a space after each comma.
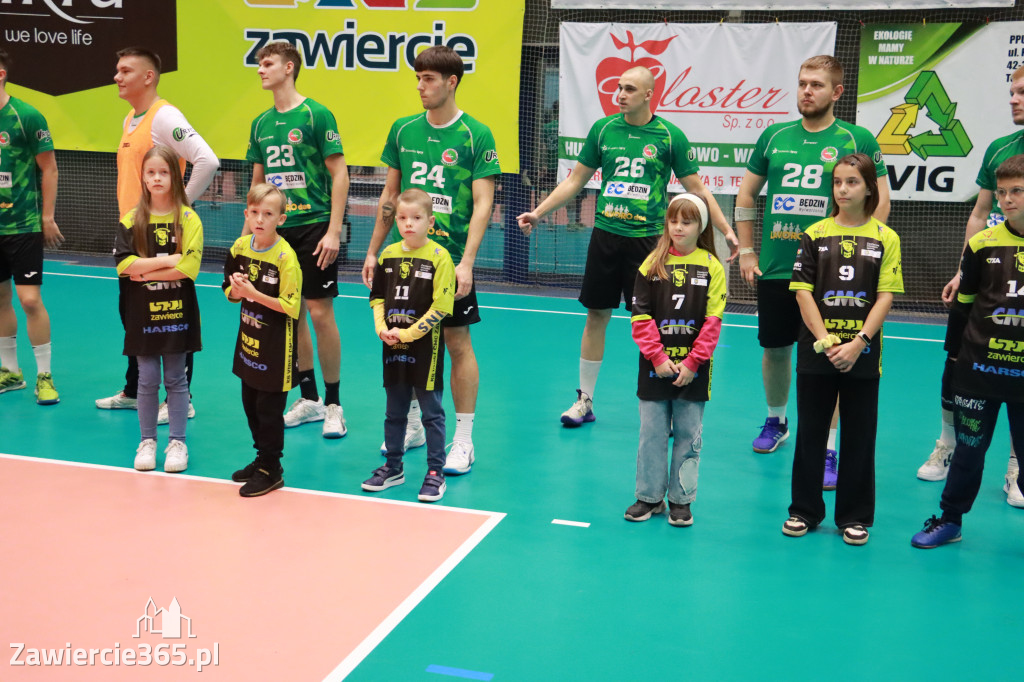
{"points": [[262, 482], [460, 458], [1013, 496], [246, 472], [118, 402], [334, 422], [145, 455], [433, 487], [46, 394], [831, 470], [177, 457], [11, 381], [581, 412], [641, 511], [679, 514], [936, 532], [383, 478], [773, 434], [303, 411], [937, 466], [855, 535], [794, 527], [164, 417], [415, 436]]}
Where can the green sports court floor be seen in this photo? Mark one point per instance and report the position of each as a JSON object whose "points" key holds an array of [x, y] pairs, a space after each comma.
{"points": [[729, 598]]}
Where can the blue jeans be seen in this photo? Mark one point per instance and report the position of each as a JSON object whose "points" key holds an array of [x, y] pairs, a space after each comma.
{"points": [[679, 478], [176, 385]]}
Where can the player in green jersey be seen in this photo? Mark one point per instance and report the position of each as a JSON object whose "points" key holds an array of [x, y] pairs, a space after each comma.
{"points": [[795, 159], [637, 153], [451, 156], [295, 146], [986, 213], [28, 195]]}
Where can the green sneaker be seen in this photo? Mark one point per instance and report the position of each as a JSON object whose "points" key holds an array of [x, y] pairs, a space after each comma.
{"points": [[46, 394], [10, 381]]}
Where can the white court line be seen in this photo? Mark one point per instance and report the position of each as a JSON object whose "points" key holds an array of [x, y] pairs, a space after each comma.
{"points": [[563, 522], [384, 628]]}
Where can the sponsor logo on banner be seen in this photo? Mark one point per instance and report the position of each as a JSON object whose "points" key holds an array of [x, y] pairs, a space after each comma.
{"points": [[799, 204], [611, 68], [287, 180], [442, 204], [627, 190]]}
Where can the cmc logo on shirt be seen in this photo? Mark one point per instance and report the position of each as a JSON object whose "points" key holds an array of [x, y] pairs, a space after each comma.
{"points": [[798, 204]]}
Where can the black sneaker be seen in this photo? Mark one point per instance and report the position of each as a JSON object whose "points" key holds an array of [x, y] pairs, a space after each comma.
{"points": [[433, 487], [641, 511], [245, 473], [262, 482], [383, 478], [679, 514]]}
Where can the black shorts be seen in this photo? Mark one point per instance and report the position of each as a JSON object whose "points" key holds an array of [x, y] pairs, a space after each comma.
{"points": [[316, 283], [465, 312], [612, 264], [21, 257], [778, 315]]}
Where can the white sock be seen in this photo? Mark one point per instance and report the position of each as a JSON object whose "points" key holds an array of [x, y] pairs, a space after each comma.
{"points": [[464, 427], [588, 376], [42, 353], [9, 353], [1012, 466], [948, 436], [779, 412], [415, 416], [832, 439]]}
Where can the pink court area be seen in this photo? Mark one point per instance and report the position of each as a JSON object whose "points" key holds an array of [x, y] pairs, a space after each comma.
{"points": [[292, 586]]}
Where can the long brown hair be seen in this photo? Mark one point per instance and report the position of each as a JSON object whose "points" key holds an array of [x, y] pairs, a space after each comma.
{"points": [[143, 210], [683, 210]]}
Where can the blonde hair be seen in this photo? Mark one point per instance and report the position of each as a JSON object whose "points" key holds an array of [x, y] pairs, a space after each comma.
{"points": [[257, 193], [144, 209], [826, 63], [416, 197], [679, 210]]}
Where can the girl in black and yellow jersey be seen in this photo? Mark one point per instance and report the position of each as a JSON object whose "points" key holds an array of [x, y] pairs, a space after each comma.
{"points": [[158, 248], [846, 272]]}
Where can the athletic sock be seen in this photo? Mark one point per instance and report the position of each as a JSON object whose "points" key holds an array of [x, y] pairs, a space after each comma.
{"points": [[832, 439], [9, 353], [464, 427], [307, 385], [415, 416], [948, 435], [588, 376], [778, 412], [331, 393], [42, 353]]}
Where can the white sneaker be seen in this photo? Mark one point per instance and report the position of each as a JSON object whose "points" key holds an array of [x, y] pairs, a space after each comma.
{"points": [[303, 411], [581, 412], [118, 402], [1013, 496], [164, 417], [937, 466], [334, 422], [145, 455], [177, 457], [460, 458], [415, 436]]}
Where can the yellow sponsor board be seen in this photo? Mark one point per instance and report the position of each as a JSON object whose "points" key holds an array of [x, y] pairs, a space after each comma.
{"points": [[357, 57]]}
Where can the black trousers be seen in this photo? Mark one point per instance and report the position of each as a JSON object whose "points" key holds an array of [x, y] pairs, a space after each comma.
{"points": [[974, 420], [858, 413], [265, 412]]}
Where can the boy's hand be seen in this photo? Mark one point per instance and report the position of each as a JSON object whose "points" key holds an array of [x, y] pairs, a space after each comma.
{"points": [[241, 287]]}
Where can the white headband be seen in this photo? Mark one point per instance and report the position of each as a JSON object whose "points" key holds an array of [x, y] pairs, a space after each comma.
{"points": [[696, 201]]}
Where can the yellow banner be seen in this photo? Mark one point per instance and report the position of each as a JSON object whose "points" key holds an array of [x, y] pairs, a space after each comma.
{"points": [[357, 57]]}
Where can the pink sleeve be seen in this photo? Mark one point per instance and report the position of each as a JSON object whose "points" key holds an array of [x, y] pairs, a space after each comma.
{"points": [[704, 346], [645, 333]]}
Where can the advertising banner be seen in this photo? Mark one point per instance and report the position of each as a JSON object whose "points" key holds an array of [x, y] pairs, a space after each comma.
{"points": [[712, 80], [816, 5], [935, 96], [357, 61]]}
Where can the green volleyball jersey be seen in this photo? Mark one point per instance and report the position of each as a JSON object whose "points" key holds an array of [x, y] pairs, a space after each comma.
{"points": [[23, 135], [292, 147], [635, 165], [997, 152], [845, 268], [443, 161], [798, 167]]}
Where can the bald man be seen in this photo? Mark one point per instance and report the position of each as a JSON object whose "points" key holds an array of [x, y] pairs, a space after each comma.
{"points": [[637, 153]]}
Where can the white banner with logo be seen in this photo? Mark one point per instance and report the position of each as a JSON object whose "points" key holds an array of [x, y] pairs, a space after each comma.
{"points": [[815, 5], [722, 84], [935, 96]]}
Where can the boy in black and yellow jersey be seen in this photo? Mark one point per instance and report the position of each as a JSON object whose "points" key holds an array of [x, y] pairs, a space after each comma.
{"points": [[412, 290], [986, 338], [262, 273]]}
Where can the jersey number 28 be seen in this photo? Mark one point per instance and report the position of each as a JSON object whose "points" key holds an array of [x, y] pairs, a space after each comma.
{"points": [[808, 177]]}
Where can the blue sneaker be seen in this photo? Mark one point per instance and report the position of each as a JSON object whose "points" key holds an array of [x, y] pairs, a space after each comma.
{"points": [[433, 487], [936, 532], [773, 434], [831, 470]]}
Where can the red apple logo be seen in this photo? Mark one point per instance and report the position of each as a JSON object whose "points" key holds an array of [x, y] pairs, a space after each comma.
{"points": [[609, 70]]}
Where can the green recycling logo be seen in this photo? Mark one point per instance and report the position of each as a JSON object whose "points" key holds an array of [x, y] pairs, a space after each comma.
{"points": [[926, 93]]}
